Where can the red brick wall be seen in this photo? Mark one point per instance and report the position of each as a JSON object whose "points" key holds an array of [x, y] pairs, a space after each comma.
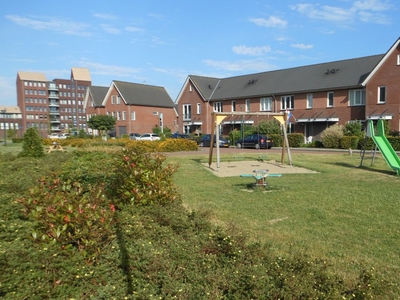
{"points": [[389, 76]]}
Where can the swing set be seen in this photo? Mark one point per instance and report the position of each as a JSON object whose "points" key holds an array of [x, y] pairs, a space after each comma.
{"points": [[218, 117]]}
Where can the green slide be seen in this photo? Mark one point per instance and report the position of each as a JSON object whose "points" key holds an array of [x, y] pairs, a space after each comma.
{"points": [[384, 146]]}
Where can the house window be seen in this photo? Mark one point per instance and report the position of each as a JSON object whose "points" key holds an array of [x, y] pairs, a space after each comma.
{"points": [[190, 88], [133, 116], [287, 102], [198, 108], [118, 115], [356, 97], [398, 59], [217, 107], [247, 105], [187, 112], [233, 105], [266, 104], [330, 99], [381, 94], [310, 99], [124, 115], [112, 99], [118, 99]]}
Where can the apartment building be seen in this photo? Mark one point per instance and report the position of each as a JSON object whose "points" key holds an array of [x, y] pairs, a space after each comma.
{"points": [[10, 119], [52, 106]]}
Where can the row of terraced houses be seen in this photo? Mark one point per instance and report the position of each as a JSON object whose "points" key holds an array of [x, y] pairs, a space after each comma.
{"points": [[317, 96]]}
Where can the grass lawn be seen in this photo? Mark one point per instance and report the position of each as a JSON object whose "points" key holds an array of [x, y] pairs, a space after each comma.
{"points": [[346, 214]]}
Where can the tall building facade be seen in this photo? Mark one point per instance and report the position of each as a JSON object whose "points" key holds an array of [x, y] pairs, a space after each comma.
{"points": [[52, 106]]}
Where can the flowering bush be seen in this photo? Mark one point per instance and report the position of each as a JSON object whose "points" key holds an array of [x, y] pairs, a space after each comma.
{"points": [[71, 214]]}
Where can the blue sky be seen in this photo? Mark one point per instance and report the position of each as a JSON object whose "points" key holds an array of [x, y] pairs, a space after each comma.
{"points": [[160, 42]]}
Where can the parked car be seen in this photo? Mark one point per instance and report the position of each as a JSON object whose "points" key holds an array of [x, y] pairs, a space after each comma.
{"points": [[206, 140], [64, 135], [134, 136], [182, 136], [255, 141], [53, 135], [149, 137]]}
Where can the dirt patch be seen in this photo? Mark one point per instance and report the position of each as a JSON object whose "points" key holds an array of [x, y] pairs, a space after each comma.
{"points": [[236, 168]]}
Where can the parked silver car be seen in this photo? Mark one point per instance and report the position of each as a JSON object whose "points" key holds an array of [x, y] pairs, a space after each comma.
{"points": [[149, 137]]}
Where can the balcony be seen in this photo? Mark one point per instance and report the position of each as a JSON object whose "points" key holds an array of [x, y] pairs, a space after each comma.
{"points": [[54, 104], [54, 120], [53, 95], [53, 112], [53, 87]]}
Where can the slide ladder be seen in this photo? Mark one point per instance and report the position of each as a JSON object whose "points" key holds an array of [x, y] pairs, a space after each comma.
{"points": [[386, 149]]}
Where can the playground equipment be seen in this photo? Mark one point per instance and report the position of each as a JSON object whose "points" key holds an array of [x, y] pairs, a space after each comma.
{"points": [[383, 144], [260, 177], [218, 117]]}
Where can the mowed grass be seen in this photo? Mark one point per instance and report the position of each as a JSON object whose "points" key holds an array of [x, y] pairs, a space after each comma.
{"points": [[345, 214]]}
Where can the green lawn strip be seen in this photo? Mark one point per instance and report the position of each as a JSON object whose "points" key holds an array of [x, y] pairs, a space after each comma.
{"points": [[347, 214]]}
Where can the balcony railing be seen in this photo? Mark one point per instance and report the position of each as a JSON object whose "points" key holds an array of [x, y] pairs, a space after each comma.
{"points": [[187, 117]]}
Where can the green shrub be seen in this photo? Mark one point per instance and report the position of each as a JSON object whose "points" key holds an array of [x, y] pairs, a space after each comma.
{"points": [[331, 136], [349, 142], [17, 140], [277, 138], [296, 140], [395, 142], [70, 214], [142, 179], [32, 144]]}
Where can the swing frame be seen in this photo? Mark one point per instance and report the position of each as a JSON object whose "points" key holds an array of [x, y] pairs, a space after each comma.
{"points": [[218, 117]]}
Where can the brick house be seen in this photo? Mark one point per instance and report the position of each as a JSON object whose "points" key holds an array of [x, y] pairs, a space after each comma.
{"points": [[138, 108], [317, 96]]}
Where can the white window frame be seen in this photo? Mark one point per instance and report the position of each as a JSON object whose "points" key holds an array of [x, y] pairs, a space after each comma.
{"points": [[310, 100], [266, 104], [287, 102], [198, 108], [124, 115], [330, 96], [187, 112], [357, 97], [380, 90], [247, 107], [118, 99], [398, 59], [112, 99], [217, 107], [233, 105], [133, 116]]}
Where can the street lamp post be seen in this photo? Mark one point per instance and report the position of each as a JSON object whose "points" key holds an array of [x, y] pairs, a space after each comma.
{"points": [[3, 111]]}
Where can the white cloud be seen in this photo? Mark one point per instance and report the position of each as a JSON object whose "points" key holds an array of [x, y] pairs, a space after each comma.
{"points": [[373, 5], [133, 29], [302, 46], [105, 16], [272, 21], [52, 24], [110, 29], [101, 69], [254, 51], [369, 11], [242, 65]]}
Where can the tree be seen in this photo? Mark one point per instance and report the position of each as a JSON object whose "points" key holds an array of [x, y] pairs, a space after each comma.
{"points": [[32, 144], [102, 122]]}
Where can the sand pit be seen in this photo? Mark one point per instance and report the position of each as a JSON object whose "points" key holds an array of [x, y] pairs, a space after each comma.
{"points": [[235, 168]]}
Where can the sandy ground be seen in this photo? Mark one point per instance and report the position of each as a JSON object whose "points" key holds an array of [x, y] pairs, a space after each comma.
{"points": [[236, 168]]}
